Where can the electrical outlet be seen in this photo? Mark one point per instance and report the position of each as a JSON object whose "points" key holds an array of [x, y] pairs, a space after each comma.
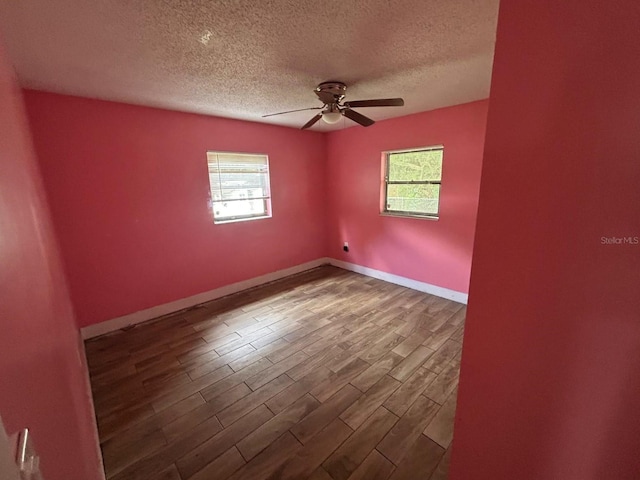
{"points": [[345, 246]]}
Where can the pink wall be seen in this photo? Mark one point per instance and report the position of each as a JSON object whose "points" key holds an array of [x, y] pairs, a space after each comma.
{"points": [[436, 252], [550, 378], [129, 190], [43, 377]]}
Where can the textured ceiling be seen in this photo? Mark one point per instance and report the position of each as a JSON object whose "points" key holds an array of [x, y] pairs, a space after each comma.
{"points": [[246, 58]]}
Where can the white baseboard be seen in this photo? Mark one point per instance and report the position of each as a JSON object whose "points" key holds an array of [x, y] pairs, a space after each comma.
{"points": [[118, 323], [114, 324], [405, 282]]}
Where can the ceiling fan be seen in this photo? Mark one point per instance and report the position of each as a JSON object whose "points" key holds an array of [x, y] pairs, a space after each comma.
{"points": [[331, 94]]}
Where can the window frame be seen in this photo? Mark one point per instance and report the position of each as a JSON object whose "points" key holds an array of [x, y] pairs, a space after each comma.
{"points": [[406, 213], [266, 199]]}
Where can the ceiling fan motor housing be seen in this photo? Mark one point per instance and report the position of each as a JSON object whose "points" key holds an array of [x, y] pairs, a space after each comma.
{"points": [[333, 91]]}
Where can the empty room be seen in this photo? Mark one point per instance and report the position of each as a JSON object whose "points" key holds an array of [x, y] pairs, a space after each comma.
{"points": [[296, 240]]}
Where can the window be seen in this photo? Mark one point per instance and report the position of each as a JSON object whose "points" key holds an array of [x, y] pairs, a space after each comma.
{"points": [[239, 186], [412, 182]]}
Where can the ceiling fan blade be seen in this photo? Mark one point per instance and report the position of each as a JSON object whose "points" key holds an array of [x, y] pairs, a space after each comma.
{"points": [[312, 122], [291, 111], [357, 117], [380, 102]]}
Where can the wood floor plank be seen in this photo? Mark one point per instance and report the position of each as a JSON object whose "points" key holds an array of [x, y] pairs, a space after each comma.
{"points": [[341, 378], [162, 359], [325, 413], [189, 389], [309, 457], [160, 373], [458, 318], [328, 341], [395, 444], [440, 429], [442, 470], [353, 452], [241, 407], [375, 372], [320, 474], [297, 390], [206, 350], [309, 327], [388, 342], [245, 361], [271, 347], [241, 321], [439, 360], [200, 370], [360, 335], [293, 347], [242, 341], [152, 465], [254, 327], [117, 399], [439, 337], [400, 401], [185, 423], [154, 421], [211, 449], [440, 389], [434, 304], [119, 453], [170, 473], [368, 403], [221, 468], [230, 397], [458, 335], [314, 361], [411, 363], [268, 374], [112, 422], [421, 460], [260, 438], [111, 374], [160, 384], [224, 385], [283, 327], [434, 321], [409, 344], [374, 467], [215, 340], [353, 350], [263, 465]]}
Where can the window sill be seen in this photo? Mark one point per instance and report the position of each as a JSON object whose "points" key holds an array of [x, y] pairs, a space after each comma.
{"points": [[408, 215], [236, 220]]}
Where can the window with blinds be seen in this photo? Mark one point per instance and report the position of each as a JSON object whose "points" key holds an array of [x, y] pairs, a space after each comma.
{"points": [[412, 182], [239, 186]]}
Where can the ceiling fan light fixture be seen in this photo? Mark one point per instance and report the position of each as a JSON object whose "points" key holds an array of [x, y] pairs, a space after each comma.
{"points": [[331, 116]]}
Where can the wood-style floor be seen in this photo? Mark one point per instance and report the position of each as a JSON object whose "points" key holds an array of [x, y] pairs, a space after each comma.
{"points": [[324, 375]]}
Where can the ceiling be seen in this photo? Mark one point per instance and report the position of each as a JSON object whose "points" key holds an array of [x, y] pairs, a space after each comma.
{"points": [[246, 58]]}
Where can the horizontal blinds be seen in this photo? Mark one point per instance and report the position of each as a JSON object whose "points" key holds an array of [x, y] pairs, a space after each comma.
{"points": [[236, 177], [415, 166]]}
